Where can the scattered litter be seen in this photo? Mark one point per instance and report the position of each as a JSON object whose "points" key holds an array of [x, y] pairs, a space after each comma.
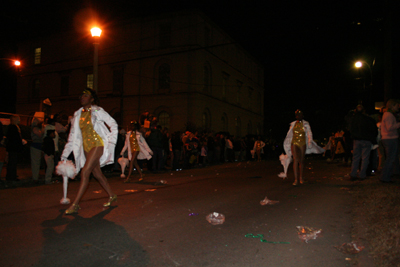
{"points": [[345, 188], [350, 248], [263, 240], [161, 182], [147, 202], [266, 201], [150, 190], [193, 214], [307, 233], [348, 259], [215, 218], [97, 192], [131, 190]]}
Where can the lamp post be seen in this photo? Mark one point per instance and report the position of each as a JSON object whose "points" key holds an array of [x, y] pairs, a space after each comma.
{"points": [[96, 32], [359, 65]]}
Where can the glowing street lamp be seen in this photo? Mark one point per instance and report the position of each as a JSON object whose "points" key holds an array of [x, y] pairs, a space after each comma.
{"points": [[360, 64], [96, 32]]}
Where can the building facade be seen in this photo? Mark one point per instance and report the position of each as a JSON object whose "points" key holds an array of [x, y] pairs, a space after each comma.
{"points": [[181, 67]]}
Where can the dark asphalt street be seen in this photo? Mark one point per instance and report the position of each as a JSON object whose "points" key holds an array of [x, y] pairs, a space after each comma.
{"points": [[150, 224]]}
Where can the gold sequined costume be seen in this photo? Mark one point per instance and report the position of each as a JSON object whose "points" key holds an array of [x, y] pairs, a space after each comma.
{"points": [[89, 136], [134, 144], [299, 135]]}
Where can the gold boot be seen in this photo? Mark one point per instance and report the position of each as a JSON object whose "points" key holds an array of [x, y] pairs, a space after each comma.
{"points": [[110, 200], [73, 209]]}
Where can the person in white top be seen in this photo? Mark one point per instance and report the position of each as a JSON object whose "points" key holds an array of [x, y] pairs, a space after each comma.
{"points": [[390, 139]]}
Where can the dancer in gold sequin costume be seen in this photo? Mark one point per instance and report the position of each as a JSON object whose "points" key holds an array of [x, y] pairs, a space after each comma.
{"points": [[298, 142], [93, 145], [132, 144]]}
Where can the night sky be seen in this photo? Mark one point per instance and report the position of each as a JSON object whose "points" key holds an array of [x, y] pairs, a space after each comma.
{"points": [[307, 48]]}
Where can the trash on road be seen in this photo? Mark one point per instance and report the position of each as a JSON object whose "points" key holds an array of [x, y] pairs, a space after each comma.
{"points": [[306, 233], [193, 214], [131, 190], [266, 201], [161, 182], [150, 190], [350, 248], [345, 188], [215, 218], [97, 192], [263, 240]]}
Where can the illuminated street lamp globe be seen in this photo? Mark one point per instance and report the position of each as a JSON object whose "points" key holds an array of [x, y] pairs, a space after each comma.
{"points": [[17, 63], [358, 64], [96, 32]]}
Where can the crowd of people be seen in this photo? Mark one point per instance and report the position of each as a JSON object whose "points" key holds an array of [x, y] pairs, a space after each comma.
{"points": [[155, 149], [369, 143]]}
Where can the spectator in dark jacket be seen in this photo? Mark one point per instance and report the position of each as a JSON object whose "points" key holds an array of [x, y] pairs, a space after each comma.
{"points": [[14, 147], [154, 140], [49, 150], [363, 132]]}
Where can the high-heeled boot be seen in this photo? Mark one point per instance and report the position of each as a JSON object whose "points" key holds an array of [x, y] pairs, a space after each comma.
{"points": [[110, 200]]}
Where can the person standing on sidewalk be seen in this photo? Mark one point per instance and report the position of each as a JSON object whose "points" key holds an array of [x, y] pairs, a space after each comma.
{"points": [[390, 139], [93, 145], [36, 148], [14, 148], [49, 150], [363, 132]]}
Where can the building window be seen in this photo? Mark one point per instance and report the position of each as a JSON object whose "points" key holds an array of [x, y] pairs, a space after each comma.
{"points": [[163, 119], [165, 35], [36, 88], [164, 78], [89, 81], [206, 119], [224, 123], [225, 77], [64, 85], [207, 37], [207, 78], [38, 55], [259, 103], [118, 81], [238, 126], [250, 93], [239, 88], [249, 128]]}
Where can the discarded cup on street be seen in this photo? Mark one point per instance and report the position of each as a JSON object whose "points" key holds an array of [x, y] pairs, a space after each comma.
{"points": [[266, 201], [215, 218], [350, 248], [307, 233]]}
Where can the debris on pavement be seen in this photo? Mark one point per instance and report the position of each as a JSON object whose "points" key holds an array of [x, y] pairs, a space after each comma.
{"points": [[345, 188], [350, 248], [263, 240], [215, 218], [161, 182], [266, 201], [306, 233], [97, 192], [150, 190], [193, 214], [131, 190]]}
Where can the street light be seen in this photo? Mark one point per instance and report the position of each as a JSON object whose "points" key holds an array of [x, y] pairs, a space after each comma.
{"points": [[96, 32], [17, 63], [359, 64]]}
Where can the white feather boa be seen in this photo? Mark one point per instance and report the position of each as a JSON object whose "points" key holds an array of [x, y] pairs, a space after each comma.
{"points": [[66, 168]]}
